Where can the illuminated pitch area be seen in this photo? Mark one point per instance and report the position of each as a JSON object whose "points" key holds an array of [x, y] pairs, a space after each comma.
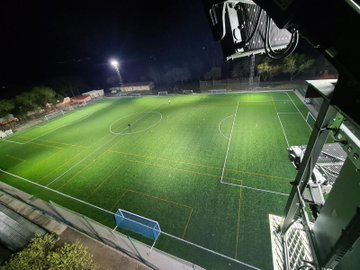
{"points": [[164, 161]]}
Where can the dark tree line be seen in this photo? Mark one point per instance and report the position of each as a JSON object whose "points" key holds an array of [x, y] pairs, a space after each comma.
{"points": [[38, 98], [289, 68]]}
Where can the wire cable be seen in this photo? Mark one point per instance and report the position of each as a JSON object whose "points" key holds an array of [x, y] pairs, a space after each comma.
{"points": [[245, 42], [290, 47]]}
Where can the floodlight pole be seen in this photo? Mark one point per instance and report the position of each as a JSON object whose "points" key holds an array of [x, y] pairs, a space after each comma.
{"points": [[116, 65], [119, 75]]}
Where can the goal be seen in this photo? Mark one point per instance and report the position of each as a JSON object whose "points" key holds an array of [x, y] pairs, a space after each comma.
{"points": [[53, 115], [68, 108], [135, 223], [163, 93], [218, 91], [188, 92], [310, 119]]}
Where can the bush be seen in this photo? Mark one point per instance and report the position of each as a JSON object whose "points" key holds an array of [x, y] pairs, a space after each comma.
{"points": [[71, 256], [33, 256], [38, 255]]}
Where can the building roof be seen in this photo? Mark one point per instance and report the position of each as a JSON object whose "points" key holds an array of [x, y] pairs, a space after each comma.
{"points": [[137, 84], [81, 97]]}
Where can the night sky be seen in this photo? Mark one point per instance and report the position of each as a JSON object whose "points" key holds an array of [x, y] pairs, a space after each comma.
{"points": [[45, 39]]}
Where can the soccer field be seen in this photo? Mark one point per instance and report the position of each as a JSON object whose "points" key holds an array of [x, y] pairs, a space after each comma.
{"points": [[208, 168]]}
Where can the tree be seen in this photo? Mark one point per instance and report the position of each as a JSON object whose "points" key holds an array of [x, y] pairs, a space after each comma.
{"points": [[240, 69], [267, 69], [38, 255], [155, 75], [43, 95], [26, 101], [176, 75], [35, 99], [6, 106], [111, 80], [69, 85], [181, 74], [197, 67], [295, 64], [33, 256], [71, 256], [213, 74]]}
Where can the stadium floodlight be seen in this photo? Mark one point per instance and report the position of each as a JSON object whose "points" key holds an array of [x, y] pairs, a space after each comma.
{"points": [[115, 63]]}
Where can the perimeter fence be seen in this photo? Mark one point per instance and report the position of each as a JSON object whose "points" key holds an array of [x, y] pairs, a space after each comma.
{"points": [[170, 251], [243, 85]]}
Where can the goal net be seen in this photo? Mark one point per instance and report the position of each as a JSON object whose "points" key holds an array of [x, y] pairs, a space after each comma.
{"points": [[188, 92], [310, 119], [68, 108], [53, 115], [135, 223], [163, 93], [218, 91]]}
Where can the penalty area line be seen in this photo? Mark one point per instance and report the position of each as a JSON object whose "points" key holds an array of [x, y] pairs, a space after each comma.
{"points": [[55, 191], [211, 251], [82, 160], [107, 211], [298, 110], [229, 142], [283, 130], [282, 127], [256, 189]]}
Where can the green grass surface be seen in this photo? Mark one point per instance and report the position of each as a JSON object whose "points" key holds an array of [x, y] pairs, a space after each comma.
{"points": [[167, 167]]}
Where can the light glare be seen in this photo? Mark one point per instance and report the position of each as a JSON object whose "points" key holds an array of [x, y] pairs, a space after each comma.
{"points": [[114, 63]]}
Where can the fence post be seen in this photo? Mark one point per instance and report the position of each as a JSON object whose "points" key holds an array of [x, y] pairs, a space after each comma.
{"points": [[138, 253]]}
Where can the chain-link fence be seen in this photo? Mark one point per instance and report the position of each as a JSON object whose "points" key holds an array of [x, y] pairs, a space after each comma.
{"points": [[180, 253], [243, 85]]}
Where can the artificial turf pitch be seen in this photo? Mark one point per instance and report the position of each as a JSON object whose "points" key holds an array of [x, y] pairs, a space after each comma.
{"points": [[167, 166]]}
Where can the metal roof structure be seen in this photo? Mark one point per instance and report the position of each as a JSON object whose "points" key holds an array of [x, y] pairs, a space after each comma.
{"points": [[15, 230]]}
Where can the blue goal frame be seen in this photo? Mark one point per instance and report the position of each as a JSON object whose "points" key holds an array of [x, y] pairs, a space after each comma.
{"points": [[135, 223]]}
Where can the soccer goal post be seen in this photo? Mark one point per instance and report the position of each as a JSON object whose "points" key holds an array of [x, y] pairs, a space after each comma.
{"points": [[188, 92], [138, 224], [218, 91], [163, 93], [53, 115]]}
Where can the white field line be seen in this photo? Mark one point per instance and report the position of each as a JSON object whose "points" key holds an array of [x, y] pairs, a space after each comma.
{"points": [[283, 130], [95, 150], [298, 110], [137, 120], [229, 142], [211, 251], [256, 189], [256, 91], [281, 124], [10, 141], [139, 131], [33, 139], [260, 101], [111, 213], [288, 113], [53, 190], [219, 126], [46, 133], [80, 161]]}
